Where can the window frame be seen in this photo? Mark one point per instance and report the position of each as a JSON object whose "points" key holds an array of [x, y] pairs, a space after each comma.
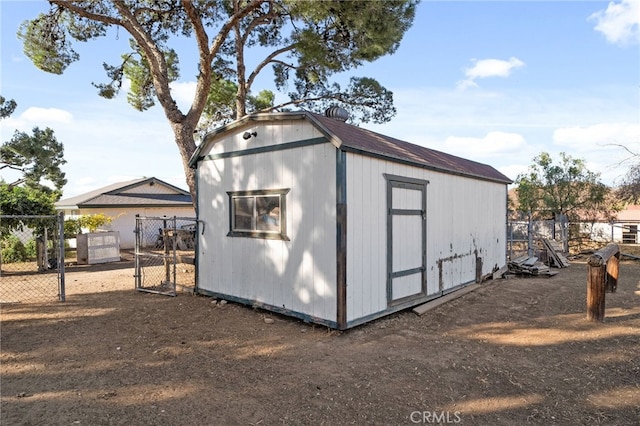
{"points": [[280, 234]]}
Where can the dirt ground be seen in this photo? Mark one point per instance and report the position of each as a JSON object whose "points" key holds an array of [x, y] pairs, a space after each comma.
{"points": [[516, 351]]}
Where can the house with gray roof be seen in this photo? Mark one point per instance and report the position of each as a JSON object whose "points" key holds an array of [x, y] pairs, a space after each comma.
{"points": [[124, 200], [312, 217]]}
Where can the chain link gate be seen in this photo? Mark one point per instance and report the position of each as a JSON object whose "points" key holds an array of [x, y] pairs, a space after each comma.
{"points": [[31, 258], [165, 254]]}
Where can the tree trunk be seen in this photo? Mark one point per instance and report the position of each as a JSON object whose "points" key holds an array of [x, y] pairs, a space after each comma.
{"points": [[241, 96], [186, 145]]}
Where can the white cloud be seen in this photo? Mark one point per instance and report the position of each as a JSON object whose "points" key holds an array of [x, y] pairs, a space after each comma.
{"points": [[43, 116], [431, 116], [619, 22], [465, 84], [492, 143], [32, 117], [493, 68], [107, 141], [600, 146], [183, 93], [597, 136], [485, 68], [80, 185], [87, 180], [513, 170]]}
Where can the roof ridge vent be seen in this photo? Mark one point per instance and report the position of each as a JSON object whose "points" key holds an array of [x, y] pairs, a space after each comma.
{"points": [[337, 113]]}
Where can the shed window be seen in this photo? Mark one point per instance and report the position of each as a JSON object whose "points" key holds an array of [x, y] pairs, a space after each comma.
{"points": [[258, 214]]}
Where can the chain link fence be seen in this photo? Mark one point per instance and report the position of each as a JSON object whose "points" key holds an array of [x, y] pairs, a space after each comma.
{"points": [[31, 258], [165, 254], [524, 235]]}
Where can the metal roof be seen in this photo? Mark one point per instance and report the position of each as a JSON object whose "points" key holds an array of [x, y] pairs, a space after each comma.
{"points": [[114, 196], [371, 143], [366, 142]]}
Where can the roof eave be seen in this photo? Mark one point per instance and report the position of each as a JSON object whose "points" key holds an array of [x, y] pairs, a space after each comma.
{"points": [[117, 206], [336, 141], [426, 166], [145, 181], [66, 206]]}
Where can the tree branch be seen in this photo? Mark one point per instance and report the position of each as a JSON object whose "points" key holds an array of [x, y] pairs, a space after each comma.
{"points": [[156, 60], [301, 101], [228, 26], [203, 82], [64, 4], [16, 183], [634, 154], [12, 167], [148, 10], [269, 59], [259, 20]]}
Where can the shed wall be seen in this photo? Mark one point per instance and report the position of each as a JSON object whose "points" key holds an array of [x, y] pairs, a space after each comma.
{"points": [[297, 275], [466, 220], [267, 134]]}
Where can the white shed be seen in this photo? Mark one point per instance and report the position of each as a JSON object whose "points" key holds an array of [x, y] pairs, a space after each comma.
{"points": [[315, 218]]}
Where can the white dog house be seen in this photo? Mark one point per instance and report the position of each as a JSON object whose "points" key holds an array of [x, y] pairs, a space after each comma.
{"points": [[315, 218]]}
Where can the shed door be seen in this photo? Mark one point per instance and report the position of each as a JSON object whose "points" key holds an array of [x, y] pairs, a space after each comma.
{"points": [[406, 239]]}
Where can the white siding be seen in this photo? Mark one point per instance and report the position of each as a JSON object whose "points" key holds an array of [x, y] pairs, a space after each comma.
{"points": [[466, 220], [610, 232], [150, 188], [366, 237], [297, 275], [407, 247], [268, 133]]}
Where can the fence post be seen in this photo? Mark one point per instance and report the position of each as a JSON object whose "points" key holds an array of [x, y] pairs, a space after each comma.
{"points": [[61, 255], [41, 252], [602, 277], [136, 251], [530, 235], [166, 239]]}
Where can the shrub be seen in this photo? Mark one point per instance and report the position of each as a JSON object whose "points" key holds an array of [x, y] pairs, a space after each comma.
{"points": [[13, 250], [71, 228], [93, 221], [30, 249]]}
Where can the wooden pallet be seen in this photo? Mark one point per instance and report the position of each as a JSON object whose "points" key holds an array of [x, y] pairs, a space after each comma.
{"points": [[554, 254], [529, 265]]}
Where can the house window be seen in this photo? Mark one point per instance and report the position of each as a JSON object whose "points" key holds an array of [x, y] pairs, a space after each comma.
{"points": [[630, 234], [258, 214]]}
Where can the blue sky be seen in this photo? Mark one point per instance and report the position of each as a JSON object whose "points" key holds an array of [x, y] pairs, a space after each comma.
{"points": [[496, 82]]}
